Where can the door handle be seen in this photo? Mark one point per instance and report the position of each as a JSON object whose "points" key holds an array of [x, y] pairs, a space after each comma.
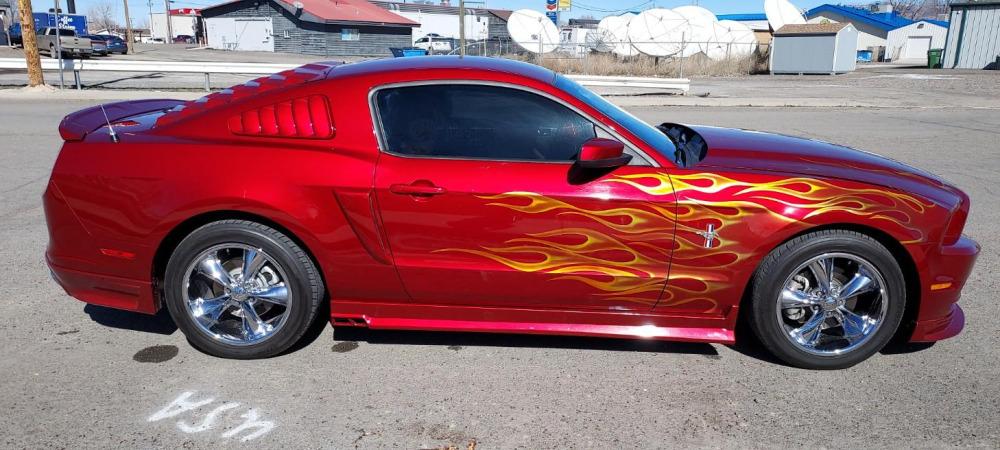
{"points": [[419, 188]]}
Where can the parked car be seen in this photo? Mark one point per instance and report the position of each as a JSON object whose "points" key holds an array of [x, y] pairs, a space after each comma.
{"points": [[99, 47], [114, 44], [494, 196], [183, 39], [15, 34], [435, 43]]}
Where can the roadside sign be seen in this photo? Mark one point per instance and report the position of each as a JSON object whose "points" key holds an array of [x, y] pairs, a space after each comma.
{"points": [[551, 5], [553, 16], [565, 5]]}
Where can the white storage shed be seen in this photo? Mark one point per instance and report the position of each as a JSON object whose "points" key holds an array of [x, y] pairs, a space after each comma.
{"points": [[814, 48], [910, 44]]}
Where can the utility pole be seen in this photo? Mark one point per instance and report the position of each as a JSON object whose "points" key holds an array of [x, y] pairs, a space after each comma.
{"points": [[58, 39], [30, 43], [170, 26], [129, 44], [461, 27]]}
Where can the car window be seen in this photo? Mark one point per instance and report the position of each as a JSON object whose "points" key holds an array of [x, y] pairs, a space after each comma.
{"points": [[479, 121], [65, 32]]}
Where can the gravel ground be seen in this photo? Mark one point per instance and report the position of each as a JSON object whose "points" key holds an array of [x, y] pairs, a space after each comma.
{"points": [[82, 376]]}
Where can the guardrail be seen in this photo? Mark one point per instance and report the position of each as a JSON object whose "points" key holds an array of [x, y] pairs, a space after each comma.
{"points": [[207, 68]]}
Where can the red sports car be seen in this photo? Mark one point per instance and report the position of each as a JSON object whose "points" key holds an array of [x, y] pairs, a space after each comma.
{"points": [[473, 194]]}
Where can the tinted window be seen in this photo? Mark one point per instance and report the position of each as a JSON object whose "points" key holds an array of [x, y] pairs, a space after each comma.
{"points": [[476, 121], [65, 32], [655, 138]]}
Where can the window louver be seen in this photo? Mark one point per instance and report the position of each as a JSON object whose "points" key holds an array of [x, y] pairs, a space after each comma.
{"points": [[304, 118]]}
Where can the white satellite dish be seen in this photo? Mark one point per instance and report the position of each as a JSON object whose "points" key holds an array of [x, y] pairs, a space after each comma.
{"points": [[599, 40], [533, 31], [605, 30], [743, 38], [721, 45], [700, 28], [657, 32], [619, 29], [780, 13]]}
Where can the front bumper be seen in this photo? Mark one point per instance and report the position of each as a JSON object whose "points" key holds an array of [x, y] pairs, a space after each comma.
{"points": [[943, 277]]}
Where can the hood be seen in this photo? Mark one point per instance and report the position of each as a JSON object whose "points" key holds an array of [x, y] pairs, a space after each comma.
{"points": [[752, 150]]}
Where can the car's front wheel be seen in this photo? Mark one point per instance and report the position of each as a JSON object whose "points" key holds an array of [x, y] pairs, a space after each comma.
{"points": [[827, 300], [240, 289]]}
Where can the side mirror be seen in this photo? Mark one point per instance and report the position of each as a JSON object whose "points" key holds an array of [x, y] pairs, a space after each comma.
{"points": [[601, 153]]}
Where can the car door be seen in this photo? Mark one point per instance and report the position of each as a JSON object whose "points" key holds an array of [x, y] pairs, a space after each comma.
{"points": [[483, 205]]}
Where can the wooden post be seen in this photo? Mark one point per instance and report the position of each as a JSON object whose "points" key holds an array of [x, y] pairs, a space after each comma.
{"points": [[30, 43], [461, 27], [128, 29]]}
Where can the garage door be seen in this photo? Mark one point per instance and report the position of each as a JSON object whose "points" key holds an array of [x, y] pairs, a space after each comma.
{"points": [[916, 47], [243, 33]]}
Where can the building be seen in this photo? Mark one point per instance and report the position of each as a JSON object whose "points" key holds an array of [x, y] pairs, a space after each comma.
{"points": [[442, 20], [756, 22], [314, 27], [910, 44], [814, 48], [973, 40], [183, 22], [873, 24]]}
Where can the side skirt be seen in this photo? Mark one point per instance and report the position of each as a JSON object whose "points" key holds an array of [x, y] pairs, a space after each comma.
{"points": [[399, 316]]}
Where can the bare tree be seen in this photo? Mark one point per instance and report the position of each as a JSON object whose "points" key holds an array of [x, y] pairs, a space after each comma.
{"points": [[102, 15], [919, 9]]}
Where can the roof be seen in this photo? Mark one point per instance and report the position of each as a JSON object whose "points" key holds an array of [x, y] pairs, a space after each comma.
{"points": [[882, 21], [963, 3], [337, 11], [471, 63], [742, 17], [436, 8], [940, 23], [811, 29]]}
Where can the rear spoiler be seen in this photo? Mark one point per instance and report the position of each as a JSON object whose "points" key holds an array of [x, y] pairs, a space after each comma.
{"points": [[75, 126]]}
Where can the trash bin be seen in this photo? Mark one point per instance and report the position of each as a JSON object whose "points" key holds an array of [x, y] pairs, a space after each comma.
{"points": [[934, 58]]}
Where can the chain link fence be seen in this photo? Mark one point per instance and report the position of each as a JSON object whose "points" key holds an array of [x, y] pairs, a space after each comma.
{"points": [[729, 59]]}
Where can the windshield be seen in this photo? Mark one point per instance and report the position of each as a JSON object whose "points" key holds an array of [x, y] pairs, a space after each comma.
{"points": [[650, 135]]}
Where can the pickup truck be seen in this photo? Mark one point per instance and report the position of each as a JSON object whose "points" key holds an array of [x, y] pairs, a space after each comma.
{"points": [[70, 43]]}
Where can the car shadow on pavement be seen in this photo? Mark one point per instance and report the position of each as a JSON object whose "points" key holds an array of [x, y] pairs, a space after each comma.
{"points": [[160, 323], [457, 340]]}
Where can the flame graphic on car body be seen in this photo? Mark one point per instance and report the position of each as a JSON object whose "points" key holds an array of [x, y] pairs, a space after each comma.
{"points": [[629, 253]]}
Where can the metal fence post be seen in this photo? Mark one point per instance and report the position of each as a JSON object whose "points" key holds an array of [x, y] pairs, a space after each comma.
{"points": [[76, 77], [208, 82], [681, 57]]}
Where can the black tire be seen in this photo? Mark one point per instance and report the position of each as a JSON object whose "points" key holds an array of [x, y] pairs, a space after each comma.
{"points": [[303, 281], [777, 267]]}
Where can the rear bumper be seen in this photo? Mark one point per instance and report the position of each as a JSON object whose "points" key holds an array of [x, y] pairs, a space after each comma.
{"points": [[943, 278], [104, 290]]}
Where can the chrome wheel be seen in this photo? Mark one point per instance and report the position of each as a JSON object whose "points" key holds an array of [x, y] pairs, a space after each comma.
{"points": [[237, 294], [832, 304]]}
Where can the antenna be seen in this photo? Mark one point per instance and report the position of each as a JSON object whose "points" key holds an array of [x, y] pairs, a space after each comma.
{"points": [[533, 31], [657, 32], [780, 13], [111, 129]]}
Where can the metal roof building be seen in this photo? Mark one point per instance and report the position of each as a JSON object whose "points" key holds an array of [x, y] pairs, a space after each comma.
{"points": [[873, 26], [973, 40], [815, 48]]}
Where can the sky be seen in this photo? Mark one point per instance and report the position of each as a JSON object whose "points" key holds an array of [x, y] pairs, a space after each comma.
{"points": [[139, 9]]}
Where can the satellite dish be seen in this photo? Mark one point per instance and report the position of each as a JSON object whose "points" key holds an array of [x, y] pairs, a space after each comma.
{"points": [[599, 40], [657, 32], [700, 28], [744, 41], [619, 29], [780, 13], [605, 31], [533, 31], [721, 45]]}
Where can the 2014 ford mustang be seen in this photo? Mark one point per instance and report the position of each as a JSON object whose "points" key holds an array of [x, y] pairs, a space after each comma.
{"points": [[473, 194]]}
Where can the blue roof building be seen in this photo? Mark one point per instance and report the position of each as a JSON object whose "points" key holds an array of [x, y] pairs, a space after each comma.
{"points": [[873, 26]]}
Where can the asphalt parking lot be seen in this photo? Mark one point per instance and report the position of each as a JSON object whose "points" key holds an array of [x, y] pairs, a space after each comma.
{"points": [[73, 375]]}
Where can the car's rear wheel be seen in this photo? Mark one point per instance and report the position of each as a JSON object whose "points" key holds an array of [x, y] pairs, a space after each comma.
{"points": [[239, 289], [827, 300]]}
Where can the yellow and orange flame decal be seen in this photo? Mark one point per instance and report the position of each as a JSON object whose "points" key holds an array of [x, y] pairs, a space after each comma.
{"points": [[625, 253]]}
